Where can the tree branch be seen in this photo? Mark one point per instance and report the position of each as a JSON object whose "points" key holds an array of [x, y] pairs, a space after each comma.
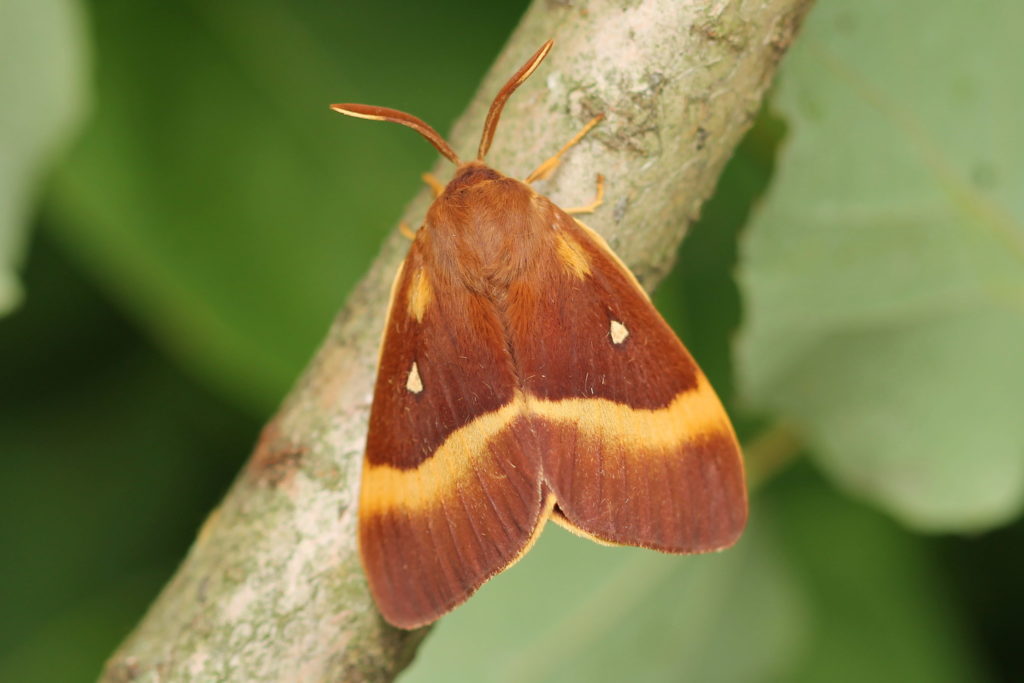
{"points": [[272, 589]]}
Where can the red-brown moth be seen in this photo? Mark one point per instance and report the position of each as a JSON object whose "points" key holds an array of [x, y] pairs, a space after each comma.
{"points": [[524, 375]]}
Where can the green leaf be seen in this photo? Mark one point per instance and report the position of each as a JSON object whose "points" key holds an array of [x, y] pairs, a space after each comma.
{"points": [[111, 460], [879, 608], [576, 611], [42, 87], [884, 276], [83, 633], [218, 198]]}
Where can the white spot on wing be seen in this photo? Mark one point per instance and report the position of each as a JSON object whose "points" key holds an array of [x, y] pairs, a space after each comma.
{"points": [[618, 332], [414, 383]]}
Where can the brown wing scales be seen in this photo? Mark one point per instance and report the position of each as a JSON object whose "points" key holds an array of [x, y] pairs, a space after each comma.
{"points": [[451, 491], [634, 444]]}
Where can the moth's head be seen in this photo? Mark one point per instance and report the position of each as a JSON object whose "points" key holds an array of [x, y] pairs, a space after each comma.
{"points": [[365, 111], [470, 174]]}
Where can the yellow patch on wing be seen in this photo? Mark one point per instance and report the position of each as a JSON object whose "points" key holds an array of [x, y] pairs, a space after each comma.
{"points": [[385, 487], [572, 256], [692, 415], [604, 247], [420, 294]]}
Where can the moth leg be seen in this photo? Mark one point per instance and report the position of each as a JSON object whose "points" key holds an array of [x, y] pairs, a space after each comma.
{"points": [[549, 166], [406, 231], [592, 206], [436, 185]]}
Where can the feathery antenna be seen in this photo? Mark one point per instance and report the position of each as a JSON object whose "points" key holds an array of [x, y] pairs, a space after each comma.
{"points": [[491, 124], [366, 111]]}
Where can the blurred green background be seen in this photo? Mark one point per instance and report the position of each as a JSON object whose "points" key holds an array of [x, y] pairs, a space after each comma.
{"points": [[181, 216]]}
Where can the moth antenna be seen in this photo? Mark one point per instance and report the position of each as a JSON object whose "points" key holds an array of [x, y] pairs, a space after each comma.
{"points": [[491, 124], [366, 111]]}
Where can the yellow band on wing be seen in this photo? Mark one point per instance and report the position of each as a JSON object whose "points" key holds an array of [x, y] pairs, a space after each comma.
{"points": [[693, 414], [385, 487]]}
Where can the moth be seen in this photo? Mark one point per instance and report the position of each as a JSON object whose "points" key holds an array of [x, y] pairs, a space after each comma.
{"points": [[525, 376]]}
